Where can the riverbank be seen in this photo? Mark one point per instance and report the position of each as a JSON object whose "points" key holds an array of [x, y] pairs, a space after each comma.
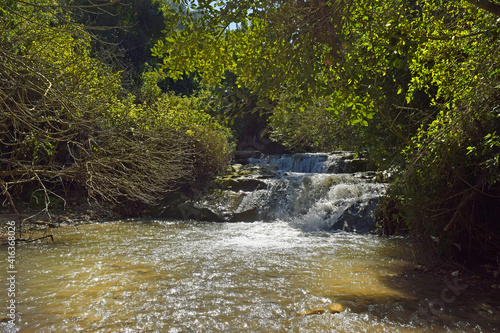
{"points": [[36, 223]]}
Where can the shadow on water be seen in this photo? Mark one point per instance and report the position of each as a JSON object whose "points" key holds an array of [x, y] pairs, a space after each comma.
{"points": [[188, 276], [178, 276], [429, 293]]}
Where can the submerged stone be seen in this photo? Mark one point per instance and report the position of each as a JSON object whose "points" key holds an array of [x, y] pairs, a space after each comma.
{"points": [[335, 308], [331, 308], [309, 312]]}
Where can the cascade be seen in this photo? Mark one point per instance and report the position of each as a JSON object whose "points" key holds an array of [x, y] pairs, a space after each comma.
{"points": [[310, 191]]}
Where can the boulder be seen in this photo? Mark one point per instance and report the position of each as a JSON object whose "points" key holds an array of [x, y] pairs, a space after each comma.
{"points": [[248, 215], [359, 165], [189, 211], [350, 165], [242, 184], [341, 166], [358, 218], [260, 171]]}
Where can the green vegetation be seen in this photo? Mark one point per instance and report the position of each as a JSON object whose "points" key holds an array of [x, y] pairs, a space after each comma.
{"points": [[68, 126], [414, 83], [130, 101]]}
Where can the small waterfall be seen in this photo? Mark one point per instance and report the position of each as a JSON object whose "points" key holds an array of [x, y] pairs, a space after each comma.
{"points": [[308, 163], [311, 191]]}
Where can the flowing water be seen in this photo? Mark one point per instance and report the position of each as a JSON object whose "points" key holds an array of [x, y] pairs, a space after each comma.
{"points": [[261, 276]]}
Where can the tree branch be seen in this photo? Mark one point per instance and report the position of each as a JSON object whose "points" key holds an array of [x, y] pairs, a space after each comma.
{"points": [[489, 6], [67, 6]]}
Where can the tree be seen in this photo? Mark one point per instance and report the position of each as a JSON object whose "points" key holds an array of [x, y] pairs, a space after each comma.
{"points": [[52, 93], [491, 6], [453, 157], [65, 123], [427, 71], [297, 50], [256, 51], [123, 33]]}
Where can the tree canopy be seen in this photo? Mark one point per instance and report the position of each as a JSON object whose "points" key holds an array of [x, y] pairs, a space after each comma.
{"points": [[296, 50], [415, 83], [68, 122], [417, 77]]}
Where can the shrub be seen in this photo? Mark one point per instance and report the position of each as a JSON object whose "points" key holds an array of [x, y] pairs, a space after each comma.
{"points": [[63, 122]]}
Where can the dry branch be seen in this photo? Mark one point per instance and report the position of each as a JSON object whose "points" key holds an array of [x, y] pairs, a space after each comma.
{"points": [[56, 127]]}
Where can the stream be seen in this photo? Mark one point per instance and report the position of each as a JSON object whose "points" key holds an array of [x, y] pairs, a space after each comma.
{"points": [[167, 275]]}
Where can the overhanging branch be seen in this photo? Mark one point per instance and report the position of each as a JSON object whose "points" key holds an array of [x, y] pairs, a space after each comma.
{"points": [[489, 6]]}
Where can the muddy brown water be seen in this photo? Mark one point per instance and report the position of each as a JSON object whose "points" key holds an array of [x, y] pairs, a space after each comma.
{"points": [[185, 276]]}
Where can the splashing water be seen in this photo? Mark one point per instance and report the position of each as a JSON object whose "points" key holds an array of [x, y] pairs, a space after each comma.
{"points": [[260, 276], [300, 190]]}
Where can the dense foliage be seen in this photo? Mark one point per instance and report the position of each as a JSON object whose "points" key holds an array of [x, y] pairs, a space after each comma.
{"points": [[88, 102], [414, 82], [68, 127], [450, 187]]}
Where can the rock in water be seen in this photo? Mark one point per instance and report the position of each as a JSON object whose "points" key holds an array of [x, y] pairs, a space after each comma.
{"points": [[311, 312], [335, 308], [295, 188], [331, 308]]}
